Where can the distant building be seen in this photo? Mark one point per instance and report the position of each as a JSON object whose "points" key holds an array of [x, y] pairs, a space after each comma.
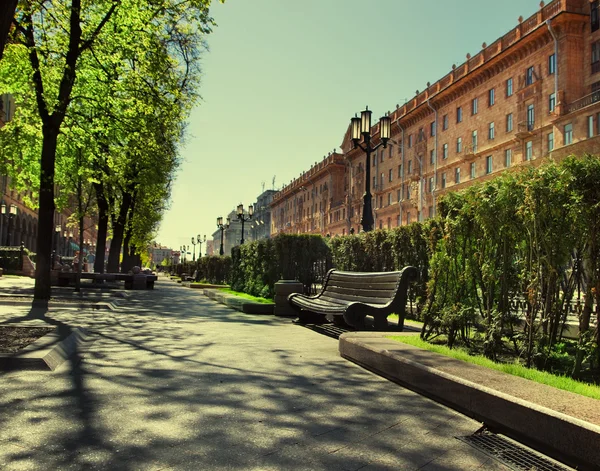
{"points": [[260, 225], [159, 253]]}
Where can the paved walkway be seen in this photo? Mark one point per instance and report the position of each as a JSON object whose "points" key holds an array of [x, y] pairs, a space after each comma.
{"points": [[175, 381]]}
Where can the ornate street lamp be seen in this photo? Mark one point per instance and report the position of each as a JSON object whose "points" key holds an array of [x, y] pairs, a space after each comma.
{"points": [[193, 250], [242, 218], [222, 227], [362, 126], [12, 212]]}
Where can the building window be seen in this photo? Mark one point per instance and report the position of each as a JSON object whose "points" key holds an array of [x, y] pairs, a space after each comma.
{"points": [[530, 117], [380, 224], [443, 180], [375, 181], [409, 167], [551, 102], [407, 192], [382, 179], [568, 134], [458, 145], [472, 170], [391, 175], [432, 129], [509, 122], [491, 131], [381, 155], [400, 171], [474, 104], [590, 126], [474, 141], [421, 135], [594, 21], [551, 64], [529, 76], [389, 199], [491, 97], [445, 122], [399, 194], [457, 175], [431, 157], [445, 151], [550, 142], [507, 157], [407, 218], [509, 87], [596, 57], [374, 160], [430, 184], [391, 152], [528, 150], [459, 114], [488, 164], [410, 141]]}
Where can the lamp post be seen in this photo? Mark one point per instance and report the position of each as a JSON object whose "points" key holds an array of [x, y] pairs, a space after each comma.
{"points": [[242, 218], [12, 212], [362, 126], [194, 250], [222, 227], [199, 241]]}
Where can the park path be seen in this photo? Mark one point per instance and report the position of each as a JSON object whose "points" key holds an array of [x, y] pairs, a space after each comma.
{"points": [[174, 381]]}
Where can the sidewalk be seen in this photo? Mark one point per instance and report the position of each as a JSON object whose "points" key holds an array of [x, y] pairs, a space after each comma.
{"points": [[175, 381]]}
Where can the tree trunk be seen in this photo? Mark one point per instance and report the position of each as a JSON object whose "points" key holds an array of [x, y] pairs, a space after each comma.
{"points": [[102, 227], [127, 264], [118, 230], [7, 13], [42, 289]]}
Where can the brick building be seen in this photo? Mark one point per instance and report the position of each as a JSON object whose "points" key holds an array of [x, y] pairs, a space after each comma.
{"points": [[533, 93], [314, 202]]}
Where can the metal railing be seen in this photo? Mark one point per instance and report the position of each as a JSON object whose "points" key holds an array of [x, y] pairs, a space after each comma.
{"points": [[587, 100]]}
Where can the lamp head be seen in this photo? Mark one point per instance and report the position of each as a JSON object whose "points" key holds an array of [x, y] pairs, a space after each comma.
{"points": [[385, 125], [228, 223], [240, 210], [219, 221], [355, 129], [250, 210], [365, 121]]}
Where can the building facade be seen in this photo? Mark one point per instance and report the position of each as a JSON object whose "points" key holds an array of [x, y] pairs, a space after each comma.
{"points": [[260, 225], [534, 93], [312, 203]]}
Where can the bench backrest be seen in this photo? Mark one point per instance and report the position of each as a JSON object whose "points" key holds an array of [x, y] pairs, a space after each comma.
{"points": [[379, 288]]}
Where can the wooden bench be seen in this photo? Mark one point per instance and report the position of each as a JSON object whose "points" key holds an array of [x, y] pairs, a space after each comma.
{"points": [[67, 277], [351, 296]]}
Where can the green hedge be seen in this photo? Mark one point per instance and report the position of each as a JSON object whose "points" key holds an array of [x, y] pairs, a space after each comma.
{"points": [[523, 244], [258, 265]]}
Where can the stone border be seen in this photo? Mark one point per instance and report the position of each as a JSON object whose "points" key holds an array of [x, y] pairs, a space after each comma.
{"points": [[571, 440], [46, 353], [240, 304]]}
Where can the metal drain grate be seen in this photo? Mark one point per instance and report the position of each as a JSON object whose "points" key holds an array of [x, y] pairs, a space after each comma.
{"points": [[510, 453], [327, 329]]}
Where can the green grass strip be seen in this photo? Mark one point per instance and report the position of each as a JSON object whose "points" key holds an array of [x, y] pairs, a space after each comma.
{"points": [[543, 377], [247, 296]]}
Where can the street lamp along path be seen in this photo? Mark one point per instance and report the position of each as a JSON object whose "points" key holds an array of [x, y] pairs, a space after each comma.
{"points": [[222, 227], [362, 126], [243, 219]]}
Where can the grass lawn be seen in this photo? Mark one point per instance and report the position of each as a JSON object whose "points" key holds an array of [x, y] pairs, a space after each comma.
{"points": [[560, 382], [247, 296]]}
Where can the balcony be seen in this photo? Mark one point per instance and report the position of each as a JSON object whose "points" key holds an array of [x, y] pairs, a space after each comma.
{"points": [[470, 151], [584, 102], [524, 130]]}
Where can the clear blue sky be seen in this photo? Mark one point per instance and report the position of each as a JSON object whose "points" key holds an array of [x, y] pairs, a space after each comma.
{"points": [[283, 77]]}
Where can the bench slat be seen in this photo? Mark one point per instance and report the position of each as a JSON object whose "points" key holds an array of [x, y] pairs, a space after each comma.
{"points": [[390, 285], [361, 292], [390, 277], [355, 299]]}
